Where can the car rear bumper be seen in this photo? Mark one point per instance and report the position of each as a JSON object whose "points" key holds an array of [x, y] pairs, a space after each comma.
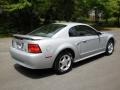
{"points": [[29, 60]]}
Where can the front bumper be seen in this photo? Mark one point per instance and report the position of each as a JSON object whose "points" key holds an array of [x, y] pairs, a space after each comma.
{"points": [[29, 60]]}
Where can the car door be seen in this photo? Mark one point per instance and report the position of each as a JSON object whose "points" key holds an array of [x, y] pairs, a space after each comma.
{"points": [[87, 40]]}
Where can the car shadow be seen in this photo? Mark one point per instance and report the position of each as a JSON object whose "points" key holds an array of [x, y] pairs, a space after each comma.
{"points": [[41, 73], [34, 73]]}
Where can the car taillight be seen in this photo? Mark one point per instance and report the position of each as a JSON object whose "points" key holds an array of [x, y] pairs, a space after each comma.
{"points": [[34, 48]]}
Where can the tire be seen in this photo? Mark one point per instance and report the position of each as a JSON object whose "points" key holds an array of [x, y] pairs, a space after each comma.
{"points": [[110, 47], [63, 62]]}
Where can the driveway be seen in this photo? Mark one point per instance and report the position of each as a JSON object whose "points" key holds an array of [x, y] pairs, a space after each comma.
{"points": [[97, 73]]}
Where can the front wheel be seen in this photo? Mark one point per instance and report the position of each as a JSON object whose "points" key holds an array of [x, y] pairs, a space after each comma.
{"points": [[110, 47], [63, 62]]}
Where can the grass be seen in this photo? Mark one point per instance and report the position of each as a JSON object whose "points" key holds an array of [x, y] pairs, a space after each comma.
{"points": [[5, 35]]}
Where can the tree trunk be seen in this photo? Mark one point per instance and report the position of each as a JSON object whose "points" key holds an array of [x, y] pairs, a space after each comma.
{"points": [[118, 21]]}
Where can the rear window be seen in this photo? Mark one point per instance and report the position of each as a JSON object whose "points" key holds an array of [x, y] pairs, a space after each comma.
{"points": [[47, 30]]}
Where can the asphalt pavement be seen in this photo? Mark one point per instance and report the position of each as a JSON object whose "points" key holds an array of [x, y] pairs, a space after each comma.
{"points": [[98, 73]]}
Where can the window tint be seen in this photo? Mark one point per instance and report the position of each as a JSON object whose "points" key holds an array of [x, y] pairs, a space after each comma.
{"points": [[47, 30], [73, 32], [81, 30]]}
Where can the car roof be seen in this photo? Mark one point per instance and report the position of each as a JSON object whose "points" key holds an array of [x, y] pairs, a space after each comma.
{"points": [[70, 23]]}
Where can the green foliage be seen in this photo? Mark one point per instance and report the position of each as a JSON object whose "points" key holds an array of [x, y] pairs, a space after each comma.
{"points": [[25, 15], [16, 6]]}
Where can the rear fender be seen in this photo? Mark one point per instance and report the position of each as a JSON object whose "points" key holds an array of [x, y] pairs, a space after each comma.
{"points": [[66, 46]]}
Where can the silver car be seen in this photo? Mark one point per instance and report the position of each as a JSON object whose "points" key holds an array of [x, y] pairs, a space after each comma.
{"points": [[59, 45]]}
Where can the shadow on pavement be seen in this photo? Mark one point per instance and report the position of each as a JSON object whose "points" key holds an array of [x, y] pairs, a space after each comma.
{"points": [[34, 73], [41, 73]]}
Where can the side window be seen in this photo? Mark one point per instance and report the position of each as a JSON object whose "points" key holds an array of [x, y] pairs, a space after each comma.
{"points": [[86, 30], [73, 32], [81, 30]]}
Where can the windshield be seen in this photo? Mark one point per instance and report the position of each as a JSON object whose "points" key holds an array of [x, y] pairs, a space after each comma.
{"points": [[47, 30]]}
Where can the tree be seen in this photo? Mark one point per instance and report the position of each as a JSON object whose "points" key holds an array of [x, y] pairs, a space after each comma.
{"points": [[25, 15], [112, 8], [21, 15], [60, 10], [116, 12]]}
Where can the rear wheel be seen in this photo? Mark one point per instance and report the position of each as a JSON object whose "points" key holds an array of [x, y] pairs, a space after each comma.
{"points": [[110, 47], [63, 62]]}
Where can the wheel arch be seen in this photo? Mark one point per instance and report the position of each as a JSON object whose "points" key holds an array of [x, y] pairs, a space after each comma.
{"points": [[112, 39], [69, 49]]}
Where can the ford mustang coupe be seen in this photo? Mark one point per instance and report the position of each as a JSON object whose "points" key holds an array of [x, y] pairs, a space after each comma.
{"points": [[59, 45]]}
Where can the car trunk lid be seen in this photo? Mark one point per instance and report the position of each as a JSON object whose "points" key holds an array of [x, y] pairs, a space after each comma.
{"points": [[21, 42], [28, 37]]}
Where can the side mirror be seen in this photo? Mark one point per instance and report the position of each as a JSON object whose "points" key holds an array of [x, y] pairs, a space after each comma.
{"points": [[99, 33]]}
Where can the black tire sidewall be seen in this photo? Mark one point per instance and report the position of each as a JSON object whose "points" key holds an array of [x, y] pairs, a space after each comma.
{"points": [[56, 64], [107, 52]]}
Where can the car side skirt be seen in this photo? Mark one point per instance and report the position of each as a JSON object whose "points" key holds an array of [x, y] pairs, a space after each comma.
{"points": [[88, 56]]}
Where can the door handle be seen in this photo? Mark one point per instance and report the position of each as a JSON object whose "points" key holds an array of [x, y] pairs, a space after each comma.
{"points": [[84, 41], [81, 42]]}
